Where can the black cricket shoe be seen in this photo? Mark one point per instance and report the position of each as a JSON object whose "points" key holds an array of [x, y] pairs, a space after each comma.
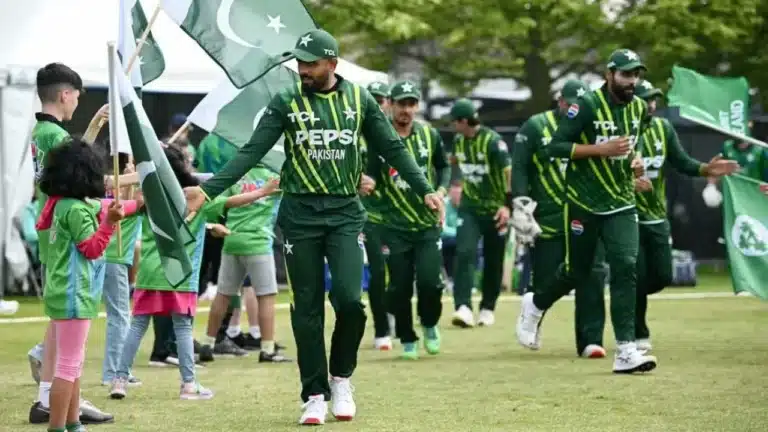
{"points": [[275, 357]]}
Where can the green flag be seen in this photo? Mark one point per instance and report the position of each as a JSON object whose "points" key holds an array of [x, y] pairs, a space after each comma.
{"points": [[746, 235], [719, 103], [233, 114], [150, 63], [246, 38], [163, 197]]}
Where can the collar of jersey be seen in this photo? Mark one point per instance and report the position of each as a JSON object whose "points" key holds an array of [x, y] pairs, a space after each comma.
{"points": [[327, 93], [41, 116]]}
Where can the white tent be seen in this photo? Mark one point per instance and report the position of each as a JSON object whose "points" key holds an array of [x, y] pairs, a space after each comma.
{"points": [[75, 32]]}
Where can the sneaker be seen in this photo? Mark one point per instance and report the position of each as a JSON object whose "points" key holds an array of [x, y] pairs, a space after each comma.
{"points": [[485, 318], [131, 382], [342, 404], [118, 389], [35, 357], [194, 391], [463, 317], [275, 357], [593, 351], [313, 412], [89, 414], [432, 340], [247, 342], [410, 351], [39, 414], [79, 427], [629, 360], [162, 362], [8, 307], [528, 323], [206, 354], [382, 343], [228, 348], [643, 345]]}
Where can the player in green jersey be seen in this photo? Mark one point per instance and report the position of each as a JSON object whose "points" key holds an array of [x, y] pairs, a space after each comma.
{"points": [[598, 135], [541, 178], [484, 161], [660, 148], [322, 118], [374, 247], [410, 230]]}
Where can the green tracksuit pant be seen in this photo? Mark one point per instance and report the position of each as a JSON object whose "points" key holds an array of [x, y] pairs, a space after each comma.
{"points": [[377, 282], [654, 270]]}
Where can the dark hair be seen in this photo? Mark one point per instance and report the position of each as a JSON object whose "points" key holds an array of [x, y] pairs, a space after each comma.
{"points": [[122, 162], [179, 166], [473, 121], [74, 170], [54, 78]]}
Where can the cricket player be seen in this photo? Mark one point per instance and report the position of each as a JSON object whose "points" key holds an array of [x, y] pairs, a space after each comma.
{"points": [[412, 231], [660, 148], [598, 134], [486, 170], [537, 176], [322, 118], [374, 247]]}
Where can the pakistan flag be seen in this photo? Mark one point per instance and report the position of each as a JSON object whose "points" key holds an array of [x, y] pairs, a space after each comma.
{"points": [[246, 38], [163, 197], [150, 63], [746, 235], [233, 114]]}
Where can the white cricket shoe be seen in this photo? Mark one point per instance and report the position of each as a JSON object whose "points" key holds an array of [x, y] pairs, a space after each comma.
{"points": [[342, 404], [528, 323], [383, 343], [644, 344], [629, 360], [463, 317], [593, 351], [485, 318], [313, 412]]}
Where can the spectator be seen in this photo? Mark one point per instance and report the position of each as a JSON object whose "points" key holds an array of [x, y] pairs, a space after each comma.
{"points": [[449, 228], [178, 121]]}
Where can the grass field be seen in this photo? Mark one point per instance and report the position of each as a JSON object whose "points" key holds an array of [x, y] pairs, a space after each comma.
{"points": [[713, 360]]}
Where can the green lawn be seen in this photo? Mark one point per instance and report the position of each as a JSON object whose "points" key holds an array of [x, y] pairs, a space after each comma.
{"points": [[711, 377]]}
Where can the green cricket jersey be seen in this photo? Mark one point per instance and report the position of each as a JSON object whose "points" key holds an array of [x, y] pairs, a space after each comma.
{"points": [[151, 275], [658, 145], [322, 142], [753, 161], [252, 226], [73, 283], [130, 227], [396, 205], [47, 134], [599, 185], [483, 160], [537, 175]]}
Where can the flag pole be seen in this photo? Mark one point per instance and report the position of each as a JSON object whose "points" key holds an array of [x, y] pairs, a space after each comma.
{"points": [[113, 135], [178, 133]]}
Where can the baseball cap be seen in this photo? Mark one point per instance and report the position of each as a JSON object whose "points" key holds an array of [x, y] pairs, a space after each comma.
{"points": [[463, 109], [378, 88], [177, 120], [405, 90], [315, 45], [573, 90], [645, 90], [58, 73], [625, 60]]}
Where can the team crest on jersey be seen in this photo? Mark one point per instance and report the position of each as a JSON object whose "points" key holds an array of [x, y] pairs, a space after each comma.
{"points": [[393, 174], [573, 110], [576, 227]]}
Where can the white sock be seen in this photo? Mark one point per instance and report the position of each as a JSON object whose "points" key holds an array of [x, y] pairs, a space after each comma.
{"points": [[233, 331], [255, 332], [44, 394]]}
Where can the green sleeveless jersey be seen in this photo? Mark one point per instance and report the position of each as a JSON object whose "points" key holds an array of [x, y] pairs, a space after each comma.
{"points": [[659, 146], [537, 175], [483, 161], [599, 185], [394, 204], [322, 142], [753, 161]]}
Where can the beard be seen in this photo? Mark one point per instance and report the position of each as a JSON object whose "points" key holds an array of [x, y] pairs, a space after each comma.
{"points": [[312, 84], [403, 120], [623, 93]]}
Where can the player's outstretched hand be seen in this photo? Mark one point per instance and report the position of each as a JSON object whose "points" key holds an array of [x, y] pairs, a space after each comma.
{"points": [[502, 217], [195, 198], [718, 167], [615, 147], [115, 213], [367, 185], [435, 203]]}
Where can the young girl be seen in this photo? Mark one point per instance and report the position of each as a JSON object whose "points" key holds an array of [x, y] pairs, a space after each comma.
{"points": [[155, 296], [79, 232]]}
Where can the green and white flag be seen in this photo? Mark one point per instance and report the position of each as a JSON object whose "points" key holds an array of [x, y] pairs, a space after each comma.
{"points": [[233, 114], [163, 197], [150, 64], [246, 38], [746, 234], [719, 103]]}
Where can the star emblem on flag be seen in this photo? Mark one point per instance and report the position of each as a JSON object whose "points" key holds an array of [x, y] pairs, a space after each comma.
{"points": [[305, 40], [407, 87], [349, 113], [275, 23]]}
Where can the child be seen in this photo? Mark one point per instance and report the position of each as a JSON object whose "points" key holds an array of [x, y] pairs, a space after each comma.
{"points": [[154, 296], [75, 268]]}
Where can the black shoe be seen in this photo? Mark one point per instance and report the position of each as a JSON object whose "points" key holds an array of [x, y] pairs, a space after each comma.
{"points": [[197, 346], [251, 343], [228, 348], [39, 414], [275, 357], [206, 354], [239, 340]]}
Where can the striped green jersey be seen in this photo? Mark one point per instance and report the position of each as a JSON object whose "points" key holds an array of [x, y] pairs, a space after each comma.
{"points": [[537, 175], [483, 161], [393, 203], [322, 142], [599, 185], [658, 145]]}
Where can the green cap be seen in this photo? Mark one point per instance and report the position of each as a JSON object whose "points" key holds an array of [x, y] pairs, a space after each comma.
{"points": [[315, 45], [378, 88], [463, 109], [573, 90], [625, 60], [645, 90], [405, 90]]}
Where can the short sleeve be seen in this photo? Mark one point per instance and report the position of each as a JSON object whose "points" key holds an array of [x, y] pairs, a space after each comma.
{"points": [[81, 222]]}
